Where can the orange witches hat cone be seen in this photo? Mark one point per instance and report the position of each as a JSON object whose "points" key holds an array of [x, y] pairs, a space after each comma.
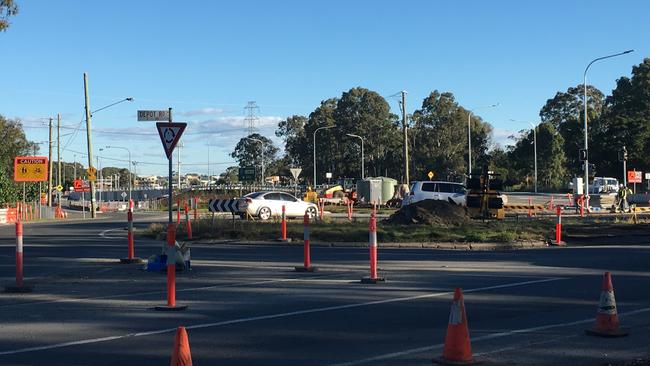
{"points": [[458, 350], [607, 318], [181, 355]]}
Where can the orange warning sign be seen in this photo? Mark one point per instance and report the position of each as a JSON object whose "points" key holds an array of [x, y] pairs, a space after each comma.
{"points": [[30, 169]]}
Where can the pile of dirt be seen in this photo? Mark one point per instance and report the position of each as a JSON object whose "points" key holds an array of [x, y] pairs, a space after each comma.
{"points": [[430, 212]]}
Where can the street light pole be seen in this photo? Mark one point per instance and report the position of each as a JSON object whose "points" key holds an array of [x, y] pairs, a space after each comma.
{"points": [[319, 128], [584, 84], [535, 148], [363, 169], [130, 162], [469, 137]]}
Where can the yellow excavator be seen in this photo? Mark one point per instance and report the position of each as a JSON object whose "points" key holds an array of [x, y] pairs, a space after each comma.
{"points": [[483, 198]]}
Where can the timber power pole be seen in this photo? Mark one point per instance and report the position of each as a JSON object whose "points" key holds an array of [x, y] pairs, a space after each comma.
{"points": [[50, 168], [93, 203], [406, 139], [58, 151]]}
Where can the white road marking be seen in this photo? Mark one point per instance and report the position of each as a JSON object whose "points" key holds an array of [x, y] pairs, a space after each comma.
{"points": [[103, 234], [284, 315], [392, 355]]}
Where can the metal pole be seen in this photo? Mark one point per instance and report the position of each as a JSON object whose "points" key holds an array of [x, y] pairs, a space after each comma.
{"points": [[58, 157], [584, 84], [129, 151], [93, 212], [535, 150], [406, 145], [169, 188], [624, 169], [469, 144], [50, 166], [319, 128], [363, 168]]}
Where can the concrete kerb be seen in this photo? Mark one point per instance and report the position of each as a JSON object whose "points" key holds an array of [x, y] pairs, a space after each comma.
{"points": [[395, 245]]}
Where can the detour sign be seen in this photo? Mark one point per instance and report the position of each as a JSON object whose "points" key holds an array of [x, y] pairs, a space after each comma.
{"points": [[30, 169]]}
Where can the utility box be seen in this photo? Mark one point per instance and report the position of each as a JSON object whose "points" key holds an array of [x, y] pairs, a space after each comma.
{"points": [[578, 186], [369, 190]]}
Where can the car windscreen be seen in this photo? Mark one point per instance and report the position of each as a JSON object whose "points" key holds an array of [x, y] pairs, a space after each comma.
{"points": [[254, 195]]}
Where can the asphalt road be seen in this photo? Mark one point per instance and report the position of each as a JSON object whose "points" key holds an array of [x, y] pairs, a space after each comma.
{"points": [[248, 307]]}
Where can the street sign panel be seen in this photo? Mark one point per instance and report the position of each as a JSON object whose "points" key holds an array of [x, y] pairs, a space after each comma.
{"points": [[647, 176], [295, 172], [633, 176], [170, 133], [59, 188], [123, 194], [91, 171], [30, 169], [246, 174], [230, 205], [92, 177], [80, 185], [155, 116], [430, 175]]}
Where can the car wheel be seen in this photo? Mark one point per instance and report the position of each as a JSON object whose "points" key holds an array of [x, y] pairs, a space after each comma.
{"points": [[311, 212], [264, 213]]}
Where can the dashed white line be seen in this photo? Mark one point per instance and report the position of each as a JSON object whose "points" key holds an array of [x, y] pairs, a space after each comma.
{"points": [[284, 315]]}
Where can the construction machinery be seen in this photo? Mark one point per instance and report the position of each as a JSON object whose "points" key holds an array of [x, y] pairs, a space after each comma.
{"points": [[484, 201]]}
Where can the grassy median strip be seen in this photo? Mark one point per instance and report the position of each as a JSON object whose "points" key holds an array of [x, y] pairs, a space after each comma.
{"points": [[357, 231]]}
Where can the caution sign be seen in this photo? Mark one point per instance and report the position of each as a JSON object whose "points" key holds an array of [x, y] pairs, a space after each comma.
{"points": [[30, 169]]}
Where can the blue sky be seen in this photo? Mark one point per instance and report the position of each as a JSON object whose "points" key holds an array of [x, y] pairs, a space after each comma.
{"points": [[207, 59]]}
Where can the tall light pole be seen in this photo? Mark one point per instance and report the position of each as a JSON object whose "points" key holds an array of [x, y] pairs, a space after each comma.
{"points": [[406, 139], [319, 128], [261, 143], [363, 169], [535, 149], [130, 162], [584, 84], [93, 203], [469, 136]]}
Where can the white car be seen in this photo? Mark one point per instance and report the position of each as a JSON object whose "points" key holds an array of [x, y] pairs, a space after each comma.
{"points": [[436, 190], [268, 204]]}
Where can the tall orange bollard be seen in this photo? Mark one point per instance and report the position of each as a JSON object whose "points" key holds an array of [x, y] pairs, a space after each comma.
{"points": [[188, 224], [20, 286], [458, 348], [372, 244], [321, 208], [307, 267], [131, 254], [283, 225], [178, 212], [171, 272], [558, 228], [530, 207], [607, 324]]}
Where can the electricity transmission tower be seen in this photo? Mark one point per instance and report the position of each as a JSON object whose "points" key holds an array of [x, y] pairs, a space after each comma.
{"points": [[251, 118]]}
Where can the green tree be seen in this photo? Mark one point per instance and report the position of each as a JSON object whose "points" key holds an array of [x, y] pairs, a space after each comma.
{"points": [[565, 112], [365, 113], [551, 171], [8, 8], [440, 132], [231, 175], [292, 131], [625, 121], [249, 152]]}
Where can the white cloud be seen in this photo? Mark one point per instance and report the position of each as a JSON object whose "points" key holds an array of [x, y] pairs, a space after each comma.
{"points": [[201, 112]]}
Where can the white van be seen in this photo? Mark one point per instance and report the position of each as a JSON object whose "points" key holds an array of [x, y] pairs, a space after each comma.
{"points": [[436, 190], [604, 185]]}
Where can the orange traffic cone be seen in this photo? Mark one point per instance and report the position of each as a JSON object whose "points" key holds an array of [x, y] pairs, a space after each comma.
{"points": [[181, 355], [607, 318], [458, 350]]}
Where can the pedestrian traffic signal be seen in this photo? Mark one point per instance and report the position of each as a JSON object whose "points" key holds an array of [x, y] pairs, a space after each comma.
{"points": [[583, 155]]}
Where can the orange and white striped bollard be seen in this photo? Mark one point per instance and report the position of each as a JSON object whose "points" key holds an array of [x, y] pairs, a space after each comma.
{"points": [[307, 267], [131, 251], [20, 286], [171, 272], [372, 244]]}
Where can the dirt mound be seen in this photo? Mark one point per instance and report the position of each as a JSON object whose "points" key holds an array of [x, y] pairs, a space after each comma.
{"points": [[430, 212]]}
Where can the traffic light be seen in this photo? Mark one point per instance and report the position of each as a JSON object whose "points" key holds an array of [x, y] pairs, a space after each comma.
{"points": [[583, 155], [622, 154]]}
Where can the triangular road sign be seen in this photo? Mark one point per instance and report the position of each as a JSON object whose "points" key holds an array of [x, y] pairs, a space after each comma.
{"points": [[170, 133]]}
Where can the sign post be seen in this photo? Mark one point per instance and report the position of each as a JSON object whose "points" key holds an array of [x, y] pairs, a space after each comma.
{"points": [[296, 172], [170, 133]]}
